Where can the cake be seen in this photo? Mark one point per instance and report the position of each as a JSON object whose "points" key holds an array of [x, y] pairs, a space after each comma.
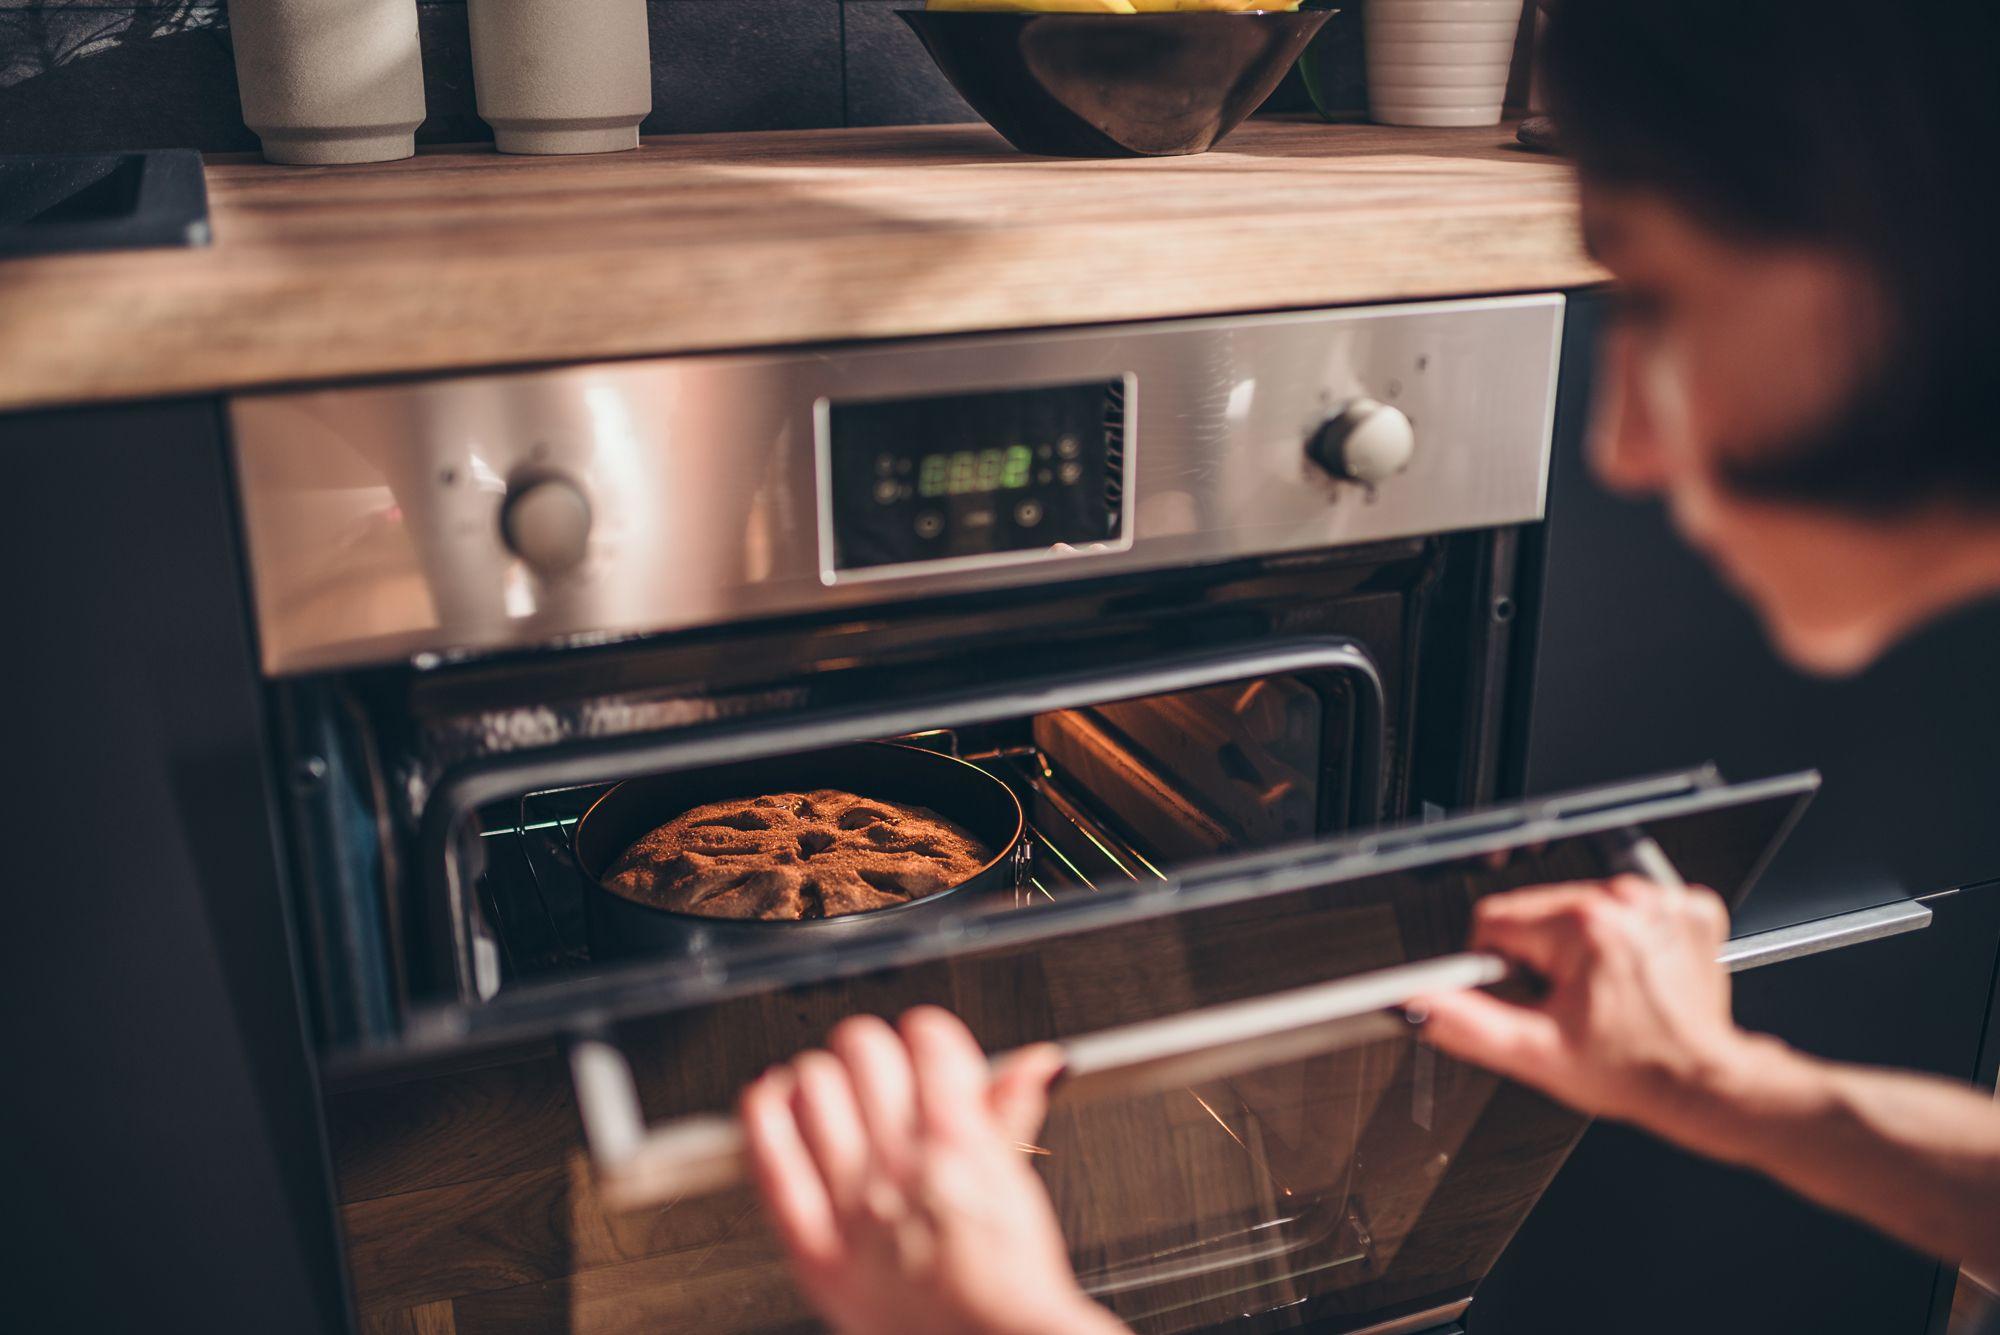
{"points": [[795, 855]]}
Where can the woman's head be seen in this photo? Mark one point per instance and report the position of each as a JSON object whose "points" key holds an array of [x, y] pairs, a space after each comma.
{"points": [[1794, 201]]}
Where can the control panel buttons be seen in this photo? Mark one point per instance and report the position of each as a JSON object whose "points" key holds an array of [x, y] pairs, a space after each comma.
{"points": [[546, 522], [1367, 441], [971, 477]]}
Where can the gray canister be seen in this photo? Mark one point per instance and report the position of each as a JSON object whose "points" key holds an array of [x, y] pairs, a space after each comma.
{"points": [[561, 76], [329, 80]]}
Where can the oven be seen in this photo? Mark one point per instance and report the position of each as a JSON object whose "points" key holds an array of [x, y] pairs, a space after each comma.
{"points": [[1236, 610]]}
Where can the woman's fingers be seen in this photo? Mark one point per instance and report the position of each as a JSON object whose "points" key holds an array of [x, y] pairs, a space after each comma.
{"points": [[1515, 1041], [1018, 1093], [950, 1074], [830, 1120], [1544, 945], [880, 1062], [1537, 902], [879, 1065], [794, 1193], [1552, 930]]}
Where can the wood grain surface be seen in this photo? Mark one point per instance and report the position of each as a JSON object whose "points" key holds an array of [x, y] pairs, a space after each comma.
{"points": [[463, 258]]}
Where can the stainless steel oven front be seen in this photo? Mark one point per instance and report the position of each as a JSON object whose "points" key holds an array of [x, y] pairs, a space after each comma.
{"points": [[1232, 607], [495, 512]]}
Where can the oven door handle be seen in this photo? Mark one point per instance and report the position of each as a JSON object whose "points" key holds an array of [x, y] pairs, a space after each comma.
{"points": [[638, 1166]]}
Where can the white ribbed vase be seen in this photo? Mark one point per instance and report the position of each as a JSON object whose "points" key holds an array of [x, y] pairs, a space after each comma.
{"points": [[1438, 62], [329, 80], [561, 76]]}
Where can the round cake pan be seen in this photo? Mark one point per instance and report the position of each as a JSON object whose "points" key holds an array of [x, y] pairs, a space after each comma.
{"points": [[888, 772]]}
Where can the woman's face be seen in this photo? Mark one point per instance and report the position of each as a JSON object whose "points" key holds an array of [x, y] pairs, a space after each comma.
{"points": [[1729, 351]]}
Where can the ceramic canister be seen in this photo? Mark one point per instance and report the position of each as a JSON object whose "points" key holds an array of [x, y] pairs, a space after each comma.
{"points": [[329, 82], [561, 76], [1438, 62]]}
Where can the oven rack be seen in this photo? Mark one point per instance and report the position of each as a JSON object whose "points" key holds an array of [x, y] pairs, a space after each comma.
{"points": [[531, 890]]}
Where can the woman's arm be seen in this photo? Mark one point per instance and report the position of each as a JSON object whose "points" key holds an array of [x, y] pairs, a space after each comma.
{"points": [[1635, 1026], [1914, 1155]]}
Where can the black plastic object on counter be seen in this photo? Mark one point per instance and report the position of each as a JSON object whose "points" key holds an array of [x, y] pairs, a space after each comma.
{"points": [[1114, 85], [102, 201]]}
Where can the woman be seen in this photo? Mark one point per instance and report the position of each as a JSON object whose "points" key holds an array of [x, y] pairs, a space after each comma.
{"points": [[1793, 200]]}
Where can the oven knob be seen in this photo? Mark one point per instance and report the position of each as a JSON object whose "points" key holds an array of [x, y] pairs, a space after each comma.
{"points": [[1366, 441], [546, 522]]}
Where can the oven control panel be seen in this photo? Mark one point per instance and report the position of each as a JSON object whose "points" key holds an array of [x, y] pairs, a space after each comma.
{"points": [[425, 520], [957, 480]]}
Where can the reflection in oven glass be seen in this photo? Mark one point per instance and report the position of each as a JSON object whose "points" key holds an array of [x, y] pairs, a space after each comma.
{"points": [[1254, 1193], [1332, 1188]]}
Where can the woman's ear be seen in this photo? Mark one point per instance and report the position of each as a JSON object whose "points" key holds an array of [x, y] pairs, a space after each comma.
{"points": [[1624, 445]]}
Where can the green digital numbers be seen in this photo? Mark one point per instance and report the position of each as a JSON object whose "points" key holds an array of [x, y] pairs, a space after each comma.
{"points": [[1014, 471], [971, 472], [961, 479]]}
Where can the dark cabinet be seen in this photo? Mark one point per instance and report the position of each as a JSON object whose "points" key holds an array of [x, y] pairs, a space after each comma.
{"points": [[162, 1150]]}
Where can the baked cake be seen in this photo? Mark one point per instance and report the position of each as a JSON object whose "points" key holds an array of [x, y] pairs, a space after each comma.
{"points": [[796, 855]]}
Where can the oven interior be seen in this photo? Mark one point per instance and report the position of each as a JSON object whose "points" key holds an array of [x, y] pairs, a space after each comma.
{"points": [[1114, 796]]}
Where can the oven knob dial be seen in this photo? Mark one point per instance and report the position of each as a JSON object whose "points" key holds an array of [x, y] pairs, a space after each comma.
{"points": [[1366, 441], [546, 522]]}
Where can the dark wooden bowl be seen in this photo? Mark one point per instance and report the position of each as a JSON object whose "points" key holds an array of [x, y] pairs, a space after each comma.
{"points": [[1114, 85]]}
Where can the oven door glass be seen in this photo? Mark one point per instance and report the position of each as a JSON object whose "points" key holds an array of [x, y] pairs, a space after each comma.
{"points": [[1334, 1172]]}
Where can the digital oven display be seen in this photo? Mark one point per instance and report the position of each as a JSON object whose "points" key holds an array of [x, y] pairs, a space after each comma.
{"points": [[969, 475]]}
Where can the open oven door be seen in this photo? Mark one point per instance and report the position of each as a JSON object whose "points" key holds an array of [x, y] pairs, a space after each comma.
{"points": [[1248, 1135]]}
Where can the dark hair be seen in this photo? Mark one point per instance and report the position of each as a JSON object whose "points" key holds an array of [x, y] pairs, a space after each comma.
{"points": [[1869, 126]]}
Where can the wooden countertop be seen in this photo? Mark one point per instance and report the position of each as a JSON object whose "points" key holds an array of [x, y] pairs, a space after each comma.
{"points": [[464, 258]]}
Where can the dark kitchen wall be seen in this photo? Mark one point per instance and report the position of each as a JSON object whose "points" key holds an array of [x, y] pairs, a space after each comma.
{"points": [[87, 75]]}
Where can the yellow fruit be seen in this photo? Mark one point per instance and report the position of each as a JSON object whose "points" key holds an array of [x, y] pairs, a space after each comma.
{"points": [[1181, 6], [1039, 6]]}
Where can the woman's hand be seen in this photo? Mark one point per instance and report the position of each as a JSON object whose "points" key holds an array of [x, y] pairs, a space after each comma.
{"points": [[891, 1169], [1635, 1025], [1635, 1021]]}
